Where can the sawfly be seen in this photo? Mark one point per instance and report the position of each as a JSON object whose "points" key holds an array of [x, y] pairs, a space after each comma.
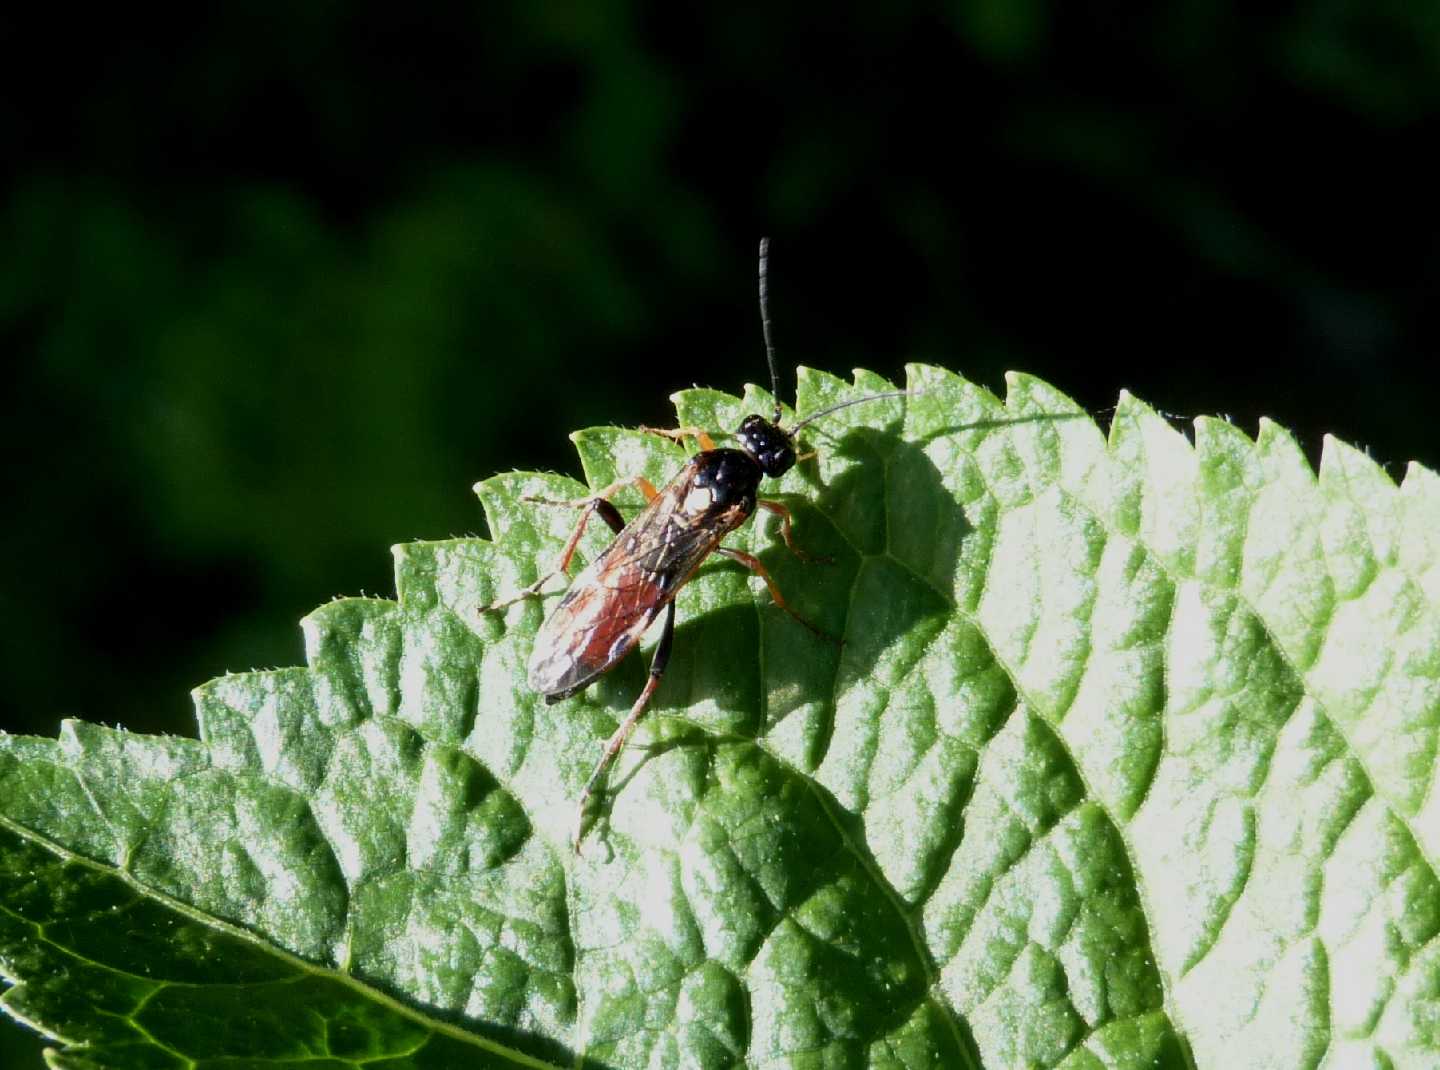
{"points": [[612, 603]]}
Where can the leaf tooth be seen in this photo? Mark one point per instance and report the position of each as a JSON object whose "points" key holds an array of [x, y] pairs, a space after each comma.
{"points": [[924, 378], [508, 516], [1057, 439], [1028, 394], [1158, 470], [1419, 529], [1281, 458], [611, 454], [1361, 501], [1226, 484]]}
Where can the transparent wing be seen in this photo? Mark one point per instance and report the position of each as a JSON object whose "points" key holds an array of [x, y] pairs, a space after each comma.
{"points": [[612, 602]]}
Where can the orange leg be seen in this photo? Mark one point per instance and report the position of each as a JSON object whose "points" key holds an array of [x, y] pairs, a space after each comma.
{"points": [[753, 564], [783, 512], [598, 503], [680, 434], [646, 488]]}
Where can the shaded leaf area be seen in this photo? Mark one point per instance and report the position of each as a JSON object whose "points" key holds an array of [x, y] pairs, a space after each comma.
{"points": [[131, 980], [1126, 761]]}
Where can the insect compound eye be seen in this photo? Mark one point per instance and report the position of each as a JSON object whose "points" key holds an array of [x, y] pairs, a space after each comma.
{"points": [[771, 446], [776, 462]]}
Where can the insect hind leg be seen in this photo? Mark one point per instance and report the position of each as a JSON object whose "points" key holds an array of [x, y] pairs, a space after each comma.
{"points": [[616, 743], [598, 504]]}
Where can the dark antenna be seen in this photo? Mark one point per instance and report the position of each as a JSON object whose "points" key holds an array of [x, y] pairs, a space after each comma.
{"points": [[765, 323], [853, 401]]}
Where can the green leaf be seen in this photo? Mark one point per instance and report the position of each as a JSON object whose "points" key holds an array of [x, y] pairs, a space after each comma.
{"points": [[1127, 761]]}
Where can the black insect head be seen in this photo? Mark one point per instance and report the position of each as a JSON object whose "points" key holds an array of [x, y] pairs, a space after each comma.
{"points": [[771, 446]]}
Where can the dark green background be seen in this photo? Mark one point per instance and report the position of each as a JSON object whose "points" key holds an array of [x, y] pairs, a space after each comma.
{"points": [[280, 283]]}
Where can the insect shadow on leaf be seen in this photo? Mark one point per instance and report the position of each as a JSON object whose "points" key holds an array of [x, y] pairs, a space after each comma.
{"points": [[892, 533]]}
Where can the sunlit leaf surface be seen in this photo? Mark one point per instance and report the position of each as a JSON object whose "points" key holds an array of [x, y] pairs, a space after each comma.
{"points": [[1127, 760]]}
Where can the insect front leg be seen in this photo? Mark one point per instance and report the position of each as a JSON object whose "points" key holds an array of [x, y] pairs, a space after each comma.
{"points": [[680, 434], [753, 564], [596, 504], [783, 512], [616, 742]]}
